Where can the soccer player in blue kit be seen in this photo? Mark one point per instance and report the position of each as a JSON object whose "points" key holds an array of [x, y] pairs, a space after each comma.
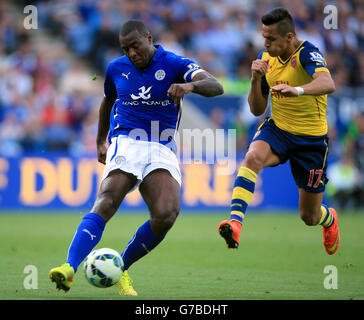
{"points": [[139, 116]]}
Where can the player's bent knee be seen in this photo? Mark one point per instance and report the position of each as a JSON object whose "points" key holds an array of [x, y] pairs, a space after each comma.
{"points": [[105, 206], [309, 217], [253, 161], [163, 220], [166, 219]]}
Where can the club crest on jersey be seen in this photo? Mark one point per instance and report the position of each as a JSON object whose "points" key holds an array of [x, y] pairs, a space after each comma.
{"points": [[119, 159], [294, 62], [160, 74]]}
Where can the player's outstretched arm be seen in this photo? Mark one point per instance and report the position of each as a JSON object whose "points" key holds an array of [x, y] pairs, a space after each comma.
{"points": [[206, 85], [103, 128], [322, 83], [203, 83], [257, 100]]}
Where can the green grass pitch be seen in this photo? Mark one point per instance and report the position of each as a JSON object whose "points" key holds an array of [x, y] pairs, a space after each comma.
{"points": [[279, 258]]}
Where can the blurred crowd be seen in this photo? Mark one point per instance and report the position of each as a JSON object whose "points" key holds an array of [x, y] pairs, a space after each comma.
{"points": [[222, 35], [49, 95]]}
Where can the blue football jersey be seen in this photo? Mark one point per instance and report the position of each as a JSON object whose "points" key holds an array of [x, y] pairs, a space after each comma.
{"points": [[142, 108]]}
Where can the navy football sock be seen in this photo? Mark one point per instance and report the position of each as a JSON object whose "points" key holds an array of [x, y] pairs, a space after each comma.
{"points": [[87, 236], [142, 242]]}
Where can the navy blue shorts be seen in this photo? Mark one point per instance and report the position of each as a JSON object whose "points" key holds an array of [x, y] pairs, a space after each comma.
{"points": [[307, 154]]}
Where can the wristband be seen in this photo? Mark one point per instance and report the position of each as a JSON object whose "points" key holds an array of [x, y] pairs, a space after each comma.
{"points": [[300, 91]]}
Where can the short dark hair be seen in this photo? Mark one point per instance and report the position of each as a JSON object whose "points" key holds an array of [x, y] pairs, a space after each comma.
{"points": [[283, 19], [133, 25]]}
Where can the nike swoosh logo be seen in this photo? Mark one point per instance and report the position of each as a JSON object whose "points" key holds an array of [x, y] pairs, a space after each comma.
{"points": [[335, 244]]}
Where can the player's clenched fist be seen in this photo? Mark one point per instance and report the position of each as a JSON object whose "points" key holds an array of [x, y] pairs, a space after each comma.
{"points": [[101, 153], [177, 90], [259, 68]]}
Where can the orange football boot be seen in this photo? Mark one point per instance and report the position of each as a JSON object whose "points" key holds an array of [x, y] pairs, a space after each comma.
{"points": [[332, 235], [230, 231]]}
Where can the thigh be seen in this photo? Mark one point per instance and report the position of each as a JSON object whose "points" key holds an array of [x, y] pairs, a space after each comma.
{"points": [[308, 163], [269, 146], [260, 155], [161, 192], [113, 190]]}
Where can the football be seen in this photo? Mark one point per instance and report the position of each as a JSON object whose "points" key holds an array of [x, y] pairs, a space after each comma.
{"points": [[103, 267]]}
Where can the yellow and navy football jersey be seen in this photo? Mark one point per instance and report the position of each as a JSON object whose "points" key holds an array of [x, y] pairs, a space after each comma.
{"points": [[306, 114]]}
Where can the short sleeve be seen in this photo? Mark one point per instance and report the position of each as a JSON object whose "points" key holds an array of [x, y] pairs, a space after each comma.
{"points": [[260, 55], [312, 60], [188, 69], [109, 86]]}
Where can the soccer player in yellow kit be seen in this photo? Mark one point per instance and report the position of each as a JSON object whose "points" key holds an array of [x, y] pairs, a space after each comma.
{"points": [[294, 72]]}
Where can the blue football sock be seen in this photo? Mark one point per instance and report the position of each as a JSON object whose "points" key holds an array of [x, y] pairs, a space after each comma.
{"points": [[87, 236], [142, 242]]}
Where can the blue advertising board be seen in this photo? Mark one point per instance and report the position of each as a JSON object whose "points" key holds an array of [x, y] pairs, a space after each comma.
{"points": [[68, 182]]}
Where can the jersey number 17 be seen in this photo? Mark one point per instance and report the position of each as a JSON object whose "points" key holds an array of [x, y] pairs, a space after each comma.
{"points": [[314, 172]]}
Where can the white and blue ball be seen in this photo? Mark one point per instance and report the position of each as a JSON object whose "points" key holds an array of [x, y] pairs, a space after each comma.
{"points": [[103, 267]]}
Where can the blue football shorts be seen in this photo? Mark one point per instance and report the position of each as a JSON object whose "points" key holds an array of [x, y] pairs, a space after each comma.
{"points": [[307, 154]]}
